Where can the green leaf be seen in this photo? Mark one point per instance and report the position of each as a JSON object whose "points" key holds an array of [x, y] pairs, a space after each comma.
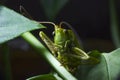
{"points": [[43, 77], [114, 22], [13, 24], [107, 69], [52, 7]]}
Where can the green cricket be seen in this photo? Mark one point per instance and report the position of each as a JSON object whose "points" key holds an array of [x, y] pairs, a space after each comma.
{"points": [[66, 48]]}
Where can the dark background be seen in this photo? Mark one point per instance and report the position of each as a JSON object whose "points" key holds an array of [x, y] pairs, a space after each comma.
{"points": [[90, 19]]}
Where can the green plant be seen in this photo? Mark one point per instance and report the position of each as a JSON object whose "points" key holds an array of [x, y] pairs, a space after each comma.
{"points": [[114, 23]]}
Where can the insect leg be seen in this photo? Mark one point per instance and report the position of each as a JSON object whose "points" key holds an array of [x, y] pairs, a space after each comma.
{"points": [[80, 53], [48, 42]]}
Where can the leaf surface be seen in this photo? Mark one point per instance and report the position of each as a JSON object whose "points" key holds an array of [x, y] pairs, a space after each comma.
{"points": [[107, 69], [43, 77], [12, 24]]}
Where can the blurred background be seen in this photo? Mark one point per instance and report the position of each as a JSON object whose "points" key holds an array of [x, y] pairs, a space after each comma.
{"points": [[89, 18]]}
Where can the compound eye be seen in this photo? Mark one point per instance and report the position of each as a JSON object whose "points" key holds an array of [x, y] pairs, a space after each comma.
{"points": [[53, 33]]}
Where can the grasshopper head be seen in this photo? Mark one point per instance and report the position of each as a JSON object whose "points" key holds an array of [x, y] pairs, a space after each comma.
{"points": [[61, 35]]}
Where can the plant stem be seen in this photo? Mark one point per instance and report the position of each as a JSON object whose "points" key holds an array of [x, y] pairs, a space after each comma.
{"points": [[114, 24], [35, 43], [6, 60]]}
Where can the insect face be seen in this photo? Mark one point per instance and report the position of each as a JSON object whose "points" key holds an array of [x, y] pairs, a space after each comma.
{"points": [[61, 35]]}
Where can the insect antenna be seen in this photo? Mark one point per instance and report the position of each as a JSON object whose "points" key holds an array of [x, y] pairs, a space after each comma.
{"points": [[68, 25], [47, 22], [24, 12]]}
